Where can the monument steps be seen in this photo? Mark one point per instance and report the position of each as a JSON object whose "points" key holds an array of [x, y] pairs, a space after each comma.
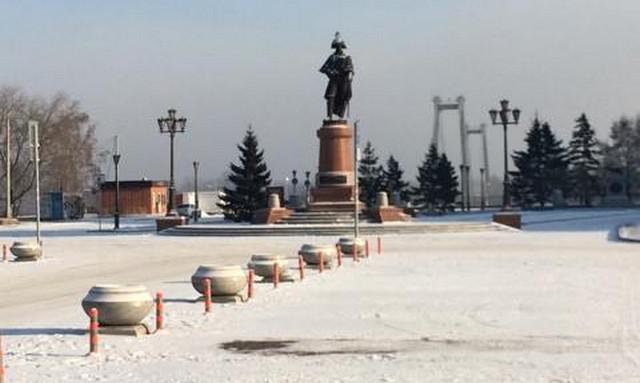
{"points": [[329, 230], [324, 217], [332, 207]]}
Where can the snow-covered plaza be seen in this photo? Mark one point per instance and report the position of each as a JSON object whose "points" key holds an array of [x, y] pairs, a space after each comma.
{"points": [[556, 302]]}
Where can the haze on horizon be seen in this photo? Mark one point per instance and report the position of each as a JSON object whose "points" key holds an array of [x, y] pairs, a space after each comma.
{"points": [[227, 64]]}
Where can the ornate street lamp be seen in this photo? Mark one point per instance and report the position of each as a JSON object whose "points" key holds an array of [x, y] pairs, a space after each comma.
{"points": [[504, 115], [196, 213], [171, 125], [116, 162]]}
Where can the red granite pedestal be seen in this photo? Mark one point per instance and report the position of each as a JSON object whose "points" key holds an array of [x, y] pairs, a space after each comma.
{"points": [[334, 180], [167, 222], [508, 218]]}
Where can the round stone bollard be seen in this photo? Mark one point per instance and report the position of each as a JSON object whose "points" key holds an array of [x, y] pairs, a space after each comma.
{"points": [[262, 265], [119, 305], [274, 201], [225, 280], [26, 251], [347, 244], [311, 254], [382, 200]]}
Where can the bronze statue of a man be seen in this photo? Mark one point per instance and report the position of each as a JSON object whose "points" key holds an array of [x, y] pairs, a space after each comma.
{"points": [[339, 69]]}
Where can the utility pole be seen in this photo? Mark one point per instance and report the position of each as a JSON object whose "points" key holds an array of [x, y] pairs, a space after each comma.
{"points": [[33, 131], [356, 192], [116, 162], [196, 213], [8, 160]]}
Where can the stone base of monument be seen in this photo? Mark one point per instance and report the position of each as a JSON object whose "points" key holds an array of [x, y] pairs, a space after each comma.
{"points": [[270, 215], [137, 330], [8, 221], [164, 223], [389, 214], [332, 194], [508, 218]]}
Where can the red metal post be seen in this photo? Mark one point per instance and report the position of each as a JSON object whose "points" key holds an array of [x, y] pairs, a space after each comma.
{"points": [[207, 294], [5, 253], [301, 266], [379, 245], [1, 361], [159, 311], [93, 331], [321, 265], [339, 254], [366, 248], [250, 285]]}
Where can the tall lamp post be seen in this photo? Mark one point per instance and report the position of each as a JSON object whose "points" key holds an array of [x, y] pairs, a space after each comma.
{"points": [[116, 162], [34, 142], [356, 187], [171, 125], [196, 213], [505, 121]]}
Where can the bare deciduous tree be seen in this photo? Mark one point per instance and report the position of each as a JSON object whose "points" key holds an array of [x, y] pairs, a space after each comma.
{"points": [[67, 144]]}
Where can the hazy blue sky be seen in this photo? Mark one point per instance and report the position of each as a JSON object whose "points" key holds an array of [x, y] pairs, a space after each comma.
{"points": [[225, 64]]}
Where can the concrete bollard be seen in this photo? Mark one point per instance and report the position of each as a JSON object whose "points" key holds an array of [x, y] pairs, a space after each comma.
{"points": [[301, 266], [159, 311], [206, 283], [250, 278], [93, 331], [276, 274]]}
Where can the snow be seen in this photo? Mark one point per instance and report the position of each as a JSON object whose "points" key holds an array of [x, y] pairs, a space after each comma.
{"points": [[557, 302]]}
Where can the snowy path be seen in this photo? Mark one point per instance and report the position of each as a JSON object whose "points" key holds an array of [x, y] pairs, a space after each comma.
{"points": [[477, 307]]}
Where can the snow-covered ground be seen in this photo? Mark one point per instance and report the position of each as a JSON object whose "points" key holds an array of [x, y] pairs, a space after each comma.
{"points": [[558, 302]]}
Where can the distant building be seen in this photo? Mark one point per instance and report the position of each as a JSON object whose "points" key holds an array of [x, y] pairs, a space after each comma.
{"points": [[136, 197], [207, 200]]}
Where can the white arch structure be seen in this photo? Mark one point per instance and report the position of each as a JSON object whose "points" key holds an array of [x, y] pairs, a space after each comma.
{"points": [[458, 105], [438, 107]]}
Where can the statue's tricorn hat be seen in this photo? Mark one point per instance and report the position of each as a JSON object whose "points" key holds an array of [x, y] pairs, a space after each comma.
{"points": [[338, 42]]}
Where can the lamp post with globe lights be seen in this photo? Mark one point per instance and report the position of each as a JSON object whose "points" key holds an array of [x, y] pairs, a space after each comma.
{"points": [[171, 125], [507, 117]]}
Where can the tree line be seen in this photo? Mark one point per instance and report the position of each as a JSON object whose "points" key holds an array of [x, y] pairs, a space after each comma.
{"points": [[67, 145], [437, 183], [545, 168]]}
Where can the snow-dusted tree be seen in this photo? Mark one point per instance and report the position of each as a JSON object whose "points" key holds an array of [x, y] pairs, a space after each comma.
{"points": [[541, 168], [392, 179], [446, 184], [583, 161], [370, 176], [425, 193], [250, 180]]}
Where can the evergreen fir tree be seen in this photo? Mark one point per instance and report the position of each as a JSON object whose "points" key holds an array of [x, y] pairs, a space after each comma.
{"points": [[542, 167], [522, 180], [583, 160], [622, 151], [425, 192], [446, 189], [392, 179], [369, 176], [250, 180]]}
